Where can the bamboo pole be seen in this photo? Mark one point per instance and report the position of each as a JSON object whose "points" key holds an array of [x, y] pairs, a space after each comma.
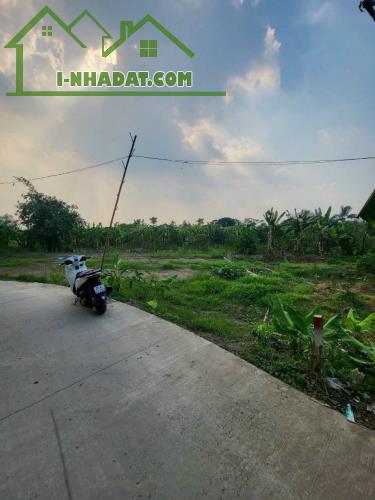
{"points": [[117, 201]]}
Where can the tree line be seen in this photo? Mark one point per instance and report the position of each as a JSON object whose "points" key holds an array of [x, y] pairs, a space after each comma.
{"points": [[45, 223]]}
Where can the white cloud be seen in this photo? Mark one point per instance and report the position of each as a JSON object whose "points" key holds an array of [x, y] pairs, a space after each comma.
{"points": [[260, 78], [210, 141], [240, 3], [263, 75], [10, 3], [8, 57], [27, 151], [53, 53], [93, 60], [201, 3], [324, 13], [272, 45]]}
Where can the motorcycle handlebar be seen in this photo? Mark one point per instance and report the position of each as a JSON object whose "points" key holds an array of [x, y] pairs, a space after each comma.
{"points": [[69, 262]]}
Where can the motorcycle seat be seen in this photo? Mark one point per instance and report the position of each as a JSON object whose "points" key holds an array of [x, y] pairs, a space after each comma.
{"points": [[88, 273]]}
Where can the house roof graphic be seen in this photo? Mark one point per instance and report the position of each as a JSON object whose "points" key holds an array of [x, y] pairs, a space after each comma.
{"points": [[127, 29], [30, 25], [78, 19]]}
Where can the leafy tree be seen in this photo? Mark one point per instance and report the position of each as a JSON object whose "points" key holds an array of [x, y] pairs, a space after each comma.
{"points": [[9, 230], [246, 241], [227, 222], [50, 223], [367, 263], [154, 220]]}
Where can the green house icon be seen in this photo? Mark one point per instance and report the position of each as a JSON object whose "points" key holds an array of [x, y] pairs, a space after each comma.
{"points": [[47, 21]]}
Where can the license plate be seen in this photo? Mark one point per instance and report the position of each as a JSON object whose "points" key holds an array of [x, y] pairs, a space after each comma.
{"points": [[99, 289]]}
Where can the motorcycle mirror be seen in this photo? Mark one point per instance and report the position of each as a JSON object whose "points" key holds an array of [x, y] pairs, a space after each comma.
{"points": [[84, 258]]}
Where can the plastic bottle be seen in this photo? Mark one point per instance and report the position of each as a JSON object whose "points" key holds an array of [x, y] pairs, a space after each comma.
{"points": [[349, 413]]}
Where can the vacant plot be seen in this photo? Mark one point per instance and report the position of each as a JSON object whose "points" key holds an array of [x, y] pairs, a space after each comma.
{"points": [[239, 304]]}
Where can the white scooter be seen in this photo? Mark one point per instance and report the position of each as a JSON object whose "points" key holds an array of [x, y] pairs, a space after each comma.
{"points": [[86, 283]]}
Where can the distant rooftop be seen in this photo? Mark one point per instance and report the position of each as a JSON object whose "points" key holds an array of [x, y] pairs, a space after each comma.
{"points": [[368, 211]]}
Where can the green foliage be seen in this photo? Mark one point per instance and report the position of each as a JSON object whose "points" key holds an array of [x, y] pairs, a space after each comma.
{"points": [[227, 222], [57, 278], [365, 352], [296, 326], [246, 241], [362, 356], [153, 304], [248, 293], [9, 231], [159, 286], [353, 325], [230, 272], [274, 224], [366, 263], [298, 225], [50, 223], [115, 274]]}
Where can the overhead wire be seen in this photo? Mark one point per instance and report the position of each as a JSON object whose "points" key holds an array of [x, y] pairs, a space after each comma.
{"points": [[270, 163], [197, 163], [74, 171]]}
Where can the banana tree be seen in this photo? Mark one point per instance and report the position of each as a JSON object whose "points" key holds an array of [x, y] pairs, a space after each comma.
{"points": [[298, 327], [324, 227], [344, 213], [273, 220], [363, 357], [353, 325], [298, 224]]}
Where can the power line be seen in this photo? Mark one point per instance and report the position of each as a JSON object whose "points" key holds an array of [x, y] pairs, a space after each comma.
{"points": [[97, 165], [256, 163], [199, 162]]}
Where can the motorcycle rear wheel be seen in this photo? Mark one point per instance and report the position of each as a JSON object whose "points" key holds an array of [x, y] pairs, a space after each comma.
{"points": [[100, 306]]}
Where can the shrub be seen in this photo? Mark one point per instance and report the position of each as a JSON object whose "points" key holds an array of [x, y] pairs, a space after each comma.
{"points": [[229, 272], [247, 241], [366, 263]]}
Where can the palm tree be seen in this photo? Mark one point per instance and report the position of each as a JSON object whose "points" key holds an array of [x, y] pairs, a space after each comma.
{"points": [[273, 221], [153, 220]]}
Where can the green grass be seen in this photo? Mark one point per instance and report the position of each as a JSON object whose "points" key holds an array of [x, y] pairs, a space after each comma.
{"points": [[54, 278], [186, 253], [18, 262], [319, 271]]}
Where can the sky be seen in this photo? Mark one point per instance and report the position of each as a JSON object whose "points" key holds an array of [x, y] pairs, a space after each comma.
{"points": [[299, 78]]}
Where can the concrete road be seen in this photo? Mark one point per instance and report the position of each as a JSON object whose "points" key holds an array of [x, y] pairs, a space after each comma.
{"points": [[127, 406]]}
